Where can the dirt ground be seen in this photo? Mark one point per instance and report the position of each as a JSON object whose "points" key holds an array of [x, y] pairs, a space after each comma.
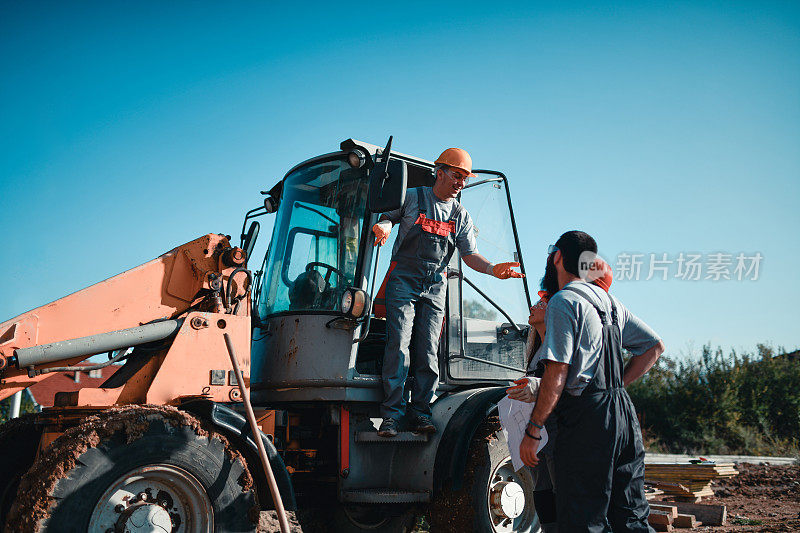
{"points": [[760, 498]]}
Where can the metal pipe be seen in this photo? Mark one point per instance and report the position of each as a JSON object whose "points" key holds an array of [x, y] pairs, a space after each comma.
{"points": [[121, 354], [94, 344], [16, 402], [262, 452], [366, 323]]}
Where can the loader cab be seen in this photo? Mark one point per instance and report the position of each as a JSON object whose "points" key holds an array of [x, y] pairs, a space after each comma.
{"points": [[305, 348]]}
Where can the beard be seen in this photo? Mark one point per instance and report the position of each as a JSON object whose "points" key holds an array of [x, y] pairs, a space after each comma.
{"points": [[550, 279]]}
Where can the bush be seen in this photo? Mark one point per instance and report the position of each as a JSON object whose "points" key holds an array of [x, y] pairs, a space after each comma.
{"points": [[736, 404]]}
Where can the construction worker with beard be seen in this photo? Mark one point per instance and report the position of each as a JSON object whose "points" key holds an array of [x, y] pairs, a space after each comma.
{"points": [[432, 225], [527, 388], [599, 455]]}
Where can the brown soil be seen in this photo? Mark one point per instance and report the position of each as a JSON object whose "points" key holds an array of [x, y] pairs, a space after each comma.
{"points": [[760, 498], [269, 523]]}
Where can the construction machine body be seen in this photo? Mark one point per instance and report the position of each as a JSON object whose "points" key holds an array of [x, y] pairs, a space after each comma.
{"points": [[310, 345]]}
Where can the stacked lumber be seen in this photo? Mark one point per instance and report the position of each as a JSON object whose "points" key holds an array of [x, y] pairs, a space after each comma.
{"points": [[687, 482], [664, 516], [651, 492]]}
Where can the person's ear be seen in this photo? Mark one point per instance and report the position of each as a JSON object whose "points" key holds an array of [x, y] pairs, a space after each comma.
{"points": [[557, 257]]}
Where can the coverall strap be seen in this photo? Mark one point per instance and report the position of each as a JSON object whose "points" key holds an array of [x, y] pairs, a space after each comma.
{"points": [[600, 312]]}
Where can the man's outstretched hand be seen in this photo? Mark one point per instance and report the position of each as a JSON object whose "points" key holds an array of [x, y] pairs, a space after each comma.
{"points": [[506, 270], [381, 233]]}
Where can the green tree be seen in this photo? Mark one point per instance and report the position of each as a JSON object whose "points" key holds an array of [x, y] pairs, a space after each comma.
{"points": [[26, 406], [475, 309]]}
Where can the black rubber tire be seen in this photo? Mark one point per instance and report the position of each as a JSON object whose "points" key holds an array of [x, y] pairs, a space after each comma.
{"points": [[19, 440], [92, 470], [468, 509]]}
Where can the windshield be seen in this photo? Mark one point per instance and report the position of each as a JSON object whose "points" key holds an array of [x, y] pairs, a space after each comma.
{"points": [[314, 248]]}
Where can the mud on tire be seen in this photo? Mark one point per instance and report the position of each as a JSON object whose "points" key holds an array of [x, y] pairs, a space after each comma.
{"points": [[468, 509], [87, 478]]}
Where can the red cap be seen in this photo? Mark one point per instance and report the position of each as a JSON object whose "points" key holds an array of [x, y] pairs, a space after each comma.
{"points": [[606, 275]]}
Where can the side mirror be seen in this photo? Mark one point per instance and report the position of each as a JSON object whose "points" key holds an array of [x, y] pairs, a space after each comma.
{"points": [[387, 186], [250, 239]]}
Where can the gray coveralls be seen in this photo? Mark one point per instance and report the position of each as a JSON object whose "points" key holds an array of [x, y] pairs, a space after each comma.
{"points": [[599, 454], [415, 300]]}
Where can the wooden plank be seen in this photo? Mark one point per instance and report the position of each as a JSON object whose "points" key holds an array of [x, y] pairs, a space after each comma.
{"points": [[665, 507], [685, 520], [660, 517], [709, 515]]}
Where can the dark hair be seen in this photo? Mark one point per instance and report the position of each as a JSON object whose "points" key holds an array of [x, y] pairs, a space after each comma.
{"points": [[537, 343], [572, 244]]}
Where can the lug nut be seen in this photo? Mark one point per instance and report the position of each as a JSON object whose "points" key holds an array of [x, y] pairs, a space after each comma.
{"points": [[119, 508]]}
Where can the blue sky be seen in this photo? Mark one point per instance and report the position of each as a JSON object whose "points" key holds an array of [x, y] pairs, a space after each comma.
{"points": [[128, 129]]}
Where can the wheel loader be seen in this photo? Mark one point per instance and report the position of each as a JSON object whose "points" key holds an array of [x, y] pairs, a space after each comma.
{"points": [[163, 444]]}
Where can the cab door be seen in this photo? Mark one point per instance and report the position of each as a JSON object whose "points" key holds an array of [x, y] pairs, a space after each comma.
{"points": [[487, 317]]}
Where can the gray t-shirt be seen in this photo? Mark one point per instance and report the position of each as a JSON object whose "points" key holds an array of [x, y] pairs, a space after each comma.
{"points": [[434, 209], [574, 332]]}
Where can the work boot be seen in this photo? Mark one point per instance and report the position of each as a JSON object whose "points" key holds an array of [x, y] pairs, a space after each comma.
{"points": [[388, 428], [422, 424]]}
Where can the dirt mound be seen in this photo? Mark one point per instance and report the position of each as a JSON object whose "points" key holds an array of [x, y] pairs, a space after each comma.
{"points": [[761, 498]]}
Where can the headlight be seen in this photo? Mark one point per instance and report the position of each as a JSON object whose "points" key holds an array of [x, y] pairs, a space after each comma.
{"points": [[356, 158], [270, 204], [354, 302], [347, 302]]}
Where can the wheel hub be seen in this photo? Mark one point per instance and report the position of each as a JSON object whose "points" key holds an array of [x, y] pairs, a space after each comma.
{"points": [[146, 518], [154, 499], [507, 499]]}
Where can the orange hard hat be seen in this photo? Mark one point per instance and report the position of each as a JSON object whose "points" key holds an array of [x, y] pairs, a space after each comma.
{"points": [[605, 275], [458, 158]]}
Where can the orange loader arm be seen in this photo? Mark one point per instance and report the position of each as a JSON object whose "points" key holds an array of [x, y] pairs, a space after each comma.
{"points": [[191, 282]]}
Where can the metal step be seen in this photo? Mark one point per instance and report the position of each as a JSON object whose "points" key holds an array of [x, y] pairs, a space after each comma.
{"points": [[402, 436], [385, 496]]}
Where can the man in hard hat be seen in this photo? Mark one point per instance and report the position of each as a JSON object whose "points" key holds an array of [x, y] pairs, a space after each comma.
{"points": [[432, 225], [599, 455]]}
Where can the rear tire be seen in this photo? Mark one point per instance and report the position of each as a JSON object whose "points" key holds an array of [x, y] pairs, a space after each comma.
{"points": [[487, 471], [19, 440], [94, 473]]}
